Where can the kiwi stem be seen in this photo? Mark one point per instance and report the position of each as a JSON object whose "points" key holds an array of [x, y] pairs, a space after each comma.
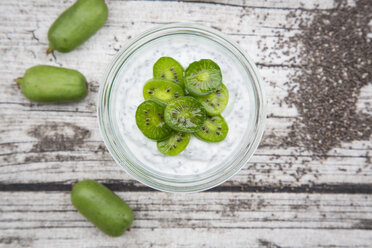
{"points": [[73, 184], [18, 81], [49, 51]]}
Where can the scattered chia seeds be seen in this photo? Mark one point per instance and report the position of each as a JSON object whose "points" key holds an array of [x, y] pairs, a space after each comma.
{"points": [[334, 62]]}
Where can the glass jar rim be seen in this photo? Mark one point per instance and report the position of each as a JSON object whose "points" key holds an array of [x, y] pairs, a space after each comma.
{"points": [[186, 184]]}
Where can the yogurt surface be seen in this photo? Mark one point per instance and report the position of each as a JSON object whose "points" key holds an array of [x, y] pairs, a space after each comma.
{"points": [[199, 156]]}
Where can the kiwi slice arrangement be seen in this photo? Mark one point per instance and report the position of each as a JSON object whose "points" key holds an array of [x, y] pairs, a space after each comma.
{"points": [[179, 103]]}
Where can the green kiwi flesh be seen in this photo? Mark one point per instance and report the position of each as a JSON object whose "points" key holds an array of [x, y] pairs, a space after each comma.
{"points": [[203, 77], [214, 129], [162, 90], [169, 68], [174, 144], [215, 102], [150, 120], [185, 114]]}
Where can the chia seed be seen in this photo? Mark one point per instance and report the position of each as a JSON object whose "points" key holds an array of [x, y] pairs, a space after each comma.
{"points": [[334, 62]]}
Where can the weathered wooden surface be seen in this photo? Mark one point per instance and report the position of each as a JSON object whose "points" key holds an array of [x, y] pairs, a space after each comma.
{"points": [[282, 198], [209, 219]]}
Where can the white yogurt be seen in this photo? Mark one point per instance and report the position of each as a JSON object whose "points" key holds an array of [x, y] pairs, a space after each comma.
{"points": [[199, 156]]}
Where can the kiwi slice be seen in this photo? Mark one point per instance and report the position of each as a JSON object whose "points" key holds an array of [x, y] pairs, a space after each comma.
{"points": [[175, 144], [215, 102], [169, 68], [214, 129], [162, 90], [150, 120], [185, 114], [203, 77]]}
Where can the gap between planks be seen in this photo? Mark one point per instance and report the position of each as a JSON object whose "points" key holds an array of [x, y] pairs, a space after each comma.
{"points": [[120, 186]]}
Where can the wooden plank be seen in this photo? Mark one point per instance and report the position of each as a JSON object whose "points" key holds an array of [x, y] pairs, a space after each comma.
{"points": [[194, 220]]}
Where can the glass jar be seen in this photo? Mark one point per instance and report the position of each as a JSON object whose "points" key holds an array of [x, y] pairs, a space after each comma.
{"points": [[202, 165]]}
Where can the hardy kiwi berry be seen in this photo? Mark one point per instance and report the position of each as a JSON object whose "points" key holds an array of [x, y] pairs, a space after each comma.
{"points": [[174, 144], [169, 68], [162, 90], [214, 129], [203, 77], [215, 102], [150, 120], [185, 114]]}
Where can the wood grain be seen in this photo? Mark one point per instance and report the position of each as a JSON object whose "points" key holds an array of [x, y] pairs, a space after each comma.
{"points": [[282, 197], [194, 220]]}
